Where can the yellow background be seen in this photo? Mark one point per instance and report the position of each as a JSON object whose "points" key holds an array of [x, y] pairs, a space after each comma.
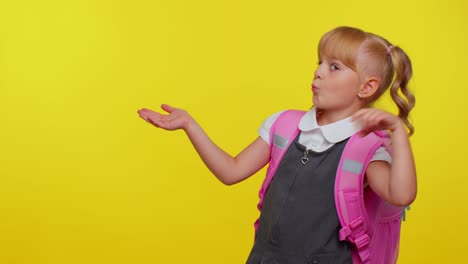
{"points": [[84, 180]]}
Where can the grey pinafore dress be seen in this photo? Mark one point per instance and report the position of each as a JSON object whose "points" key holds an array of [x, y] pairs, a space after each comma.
{"points": [[298, 223]]}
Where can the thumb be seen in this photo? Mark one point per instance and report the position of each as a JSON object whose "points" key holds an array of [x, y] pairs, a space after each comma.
{"points": [[168, 108], [364, 132]]}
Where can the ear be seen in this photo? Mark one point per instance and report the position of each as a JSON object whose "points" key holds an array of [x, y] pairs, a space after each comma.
{"points": [[369, 87]]}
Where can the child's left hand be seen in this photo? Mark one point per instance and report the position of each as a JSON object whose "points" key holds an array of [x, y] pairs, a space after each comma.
{"points": [[372, 119]]}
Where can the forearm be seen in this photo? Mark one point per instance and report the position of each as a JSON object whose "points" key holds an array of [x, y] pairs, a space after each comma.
{"points": [[220, 163], [402, 185], [226, 168]]}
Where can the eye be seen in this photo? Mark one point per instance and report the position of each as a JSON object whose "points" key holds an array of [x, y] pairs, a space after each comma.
{"points": [[334, 67]]}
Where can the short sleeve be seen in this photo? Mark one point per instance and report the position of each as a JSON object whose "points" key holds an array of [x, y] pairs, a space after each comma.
{"points": [[383, 155], [264, 130]]}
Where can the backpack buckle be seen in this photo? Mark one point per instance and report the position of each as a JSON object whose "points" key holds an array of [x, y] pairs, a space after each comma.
{"points": [[362, 244], [346, 231], [362, 241], [403, 212]]}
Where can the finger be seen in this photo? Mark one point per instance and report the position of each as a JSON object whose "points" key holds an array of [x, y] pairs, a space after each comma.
{"points": [[145, 112], [364, 133], [365, 129], [368, 124], [372, 118], [140, 112], [147, 119], [149, 112], [143, 115], [168, 108], [362, 119], [150, 116], [376, 115], [368, 129], [153, 114], [156, 122], [358, 114]]}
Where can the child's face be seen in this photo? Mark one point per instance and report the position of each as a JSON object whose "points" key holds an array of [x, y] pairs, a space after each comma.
{"points": [[335, 86]]}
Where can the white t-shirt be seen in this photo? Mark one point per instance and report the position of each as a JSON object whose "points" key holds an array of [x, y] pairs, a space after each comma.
{"points": [[320, 138]]}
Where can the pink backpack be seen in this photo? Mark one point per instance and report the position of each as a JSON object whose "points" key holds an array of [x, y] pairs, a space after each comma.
{"points": [[371, 225]]}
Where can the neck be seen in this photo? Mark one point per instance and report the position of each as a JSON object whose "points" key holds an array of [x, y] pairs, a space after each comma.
{"points": [[325, 117]]}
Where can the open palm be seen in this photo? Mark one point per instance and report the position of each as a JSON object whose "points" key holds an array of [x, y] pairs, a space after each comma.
{"points": [[176, 119]]}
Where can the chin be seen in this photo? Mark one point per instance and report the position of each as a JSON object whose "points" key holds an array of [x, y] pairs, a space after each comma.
{"points": [[314, 102], [317, 104]]}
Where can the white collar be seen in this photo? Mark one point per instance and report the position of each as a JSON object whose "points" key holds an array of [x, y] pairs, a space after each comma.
{"points": [[334, 132]]}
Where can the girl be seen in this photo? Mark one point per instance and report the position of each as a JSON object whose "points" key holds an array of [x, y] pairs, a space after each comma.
{"points": [[298, 221]]}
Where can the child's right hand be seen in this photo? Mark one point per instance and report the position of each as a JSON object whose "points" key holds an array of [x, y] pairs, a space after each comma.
{"points": [[176, 119]]}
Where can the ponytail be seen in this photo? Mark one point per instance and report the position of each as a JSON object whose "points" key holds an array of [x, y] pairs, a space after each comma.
{"points": [[399, 91]]}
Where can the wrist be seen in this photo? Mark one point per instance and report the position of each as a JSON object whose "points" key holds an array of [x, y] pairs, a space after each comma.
{"points": [[399, 128], [189, 124]]}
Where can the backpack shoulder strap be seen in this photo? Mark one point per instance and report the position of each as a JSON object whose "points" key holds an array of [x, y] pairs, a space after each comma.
{"points": [[349, 190], [282, 133]]}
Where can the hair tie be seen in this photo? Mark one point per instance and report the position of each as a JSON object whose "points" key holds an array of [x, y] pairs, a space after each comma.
{"points": [[389, 48]]}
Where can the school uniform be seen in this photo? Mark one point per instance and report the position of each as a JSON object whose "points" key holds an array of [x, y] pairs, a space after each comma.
{"points": [[298, 222]]}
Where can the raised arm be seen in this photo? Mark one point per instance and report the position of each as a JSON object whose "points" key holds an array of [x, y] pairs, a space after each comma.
{"points": [[228, 169], [395, 183]]}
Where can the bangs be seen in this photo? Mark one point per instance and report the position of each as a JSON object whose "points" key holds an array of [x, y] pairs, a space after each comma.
{"points": [[343, 44]]}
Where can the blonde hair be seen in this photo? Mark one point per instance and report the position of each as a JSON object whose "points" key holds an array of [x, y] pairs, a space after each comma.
{"points": [[368, 53]]}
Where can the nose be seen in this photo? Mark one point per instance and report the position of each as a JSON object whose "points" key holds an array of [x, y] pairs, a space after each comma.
{"points": [[317, 73]]}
